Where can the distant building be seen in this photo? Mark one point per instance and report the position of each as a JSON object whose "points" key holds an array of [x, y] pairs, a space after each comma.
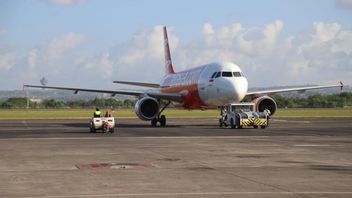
{"points": [[36, 100]]}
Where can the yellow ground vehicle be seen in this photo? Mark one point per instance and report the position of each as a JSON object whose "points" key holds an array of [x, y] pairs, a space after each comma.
{"points": [[242, 115]]}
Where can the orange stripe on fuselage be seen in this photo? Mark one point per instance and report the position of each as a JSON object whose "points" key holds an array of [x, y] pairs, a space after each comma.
{"points": [[190, 95], [185, 83]]}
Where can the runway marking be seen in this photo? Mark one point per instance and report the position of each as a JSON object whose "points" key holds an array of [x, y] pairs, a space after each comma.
{"points": [[25, 124], [187, 194], [292, 121], [313, 145]]}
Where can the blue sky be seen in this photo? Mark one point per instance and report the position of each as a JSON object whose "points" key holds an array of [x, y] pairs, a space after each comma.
{"points": [[32, 21], [104, 32]]}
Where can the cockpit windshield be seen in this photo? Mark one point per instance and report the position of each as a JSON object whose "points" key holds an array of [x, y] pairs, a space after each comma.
{"points": [[237, 74], [218, 74], [212, 76], [226, 74]]}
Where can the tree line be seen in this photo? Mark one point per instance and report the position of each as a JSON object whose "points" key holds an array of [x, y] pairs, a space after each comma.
{"points": [[14, 103], [314, 101]]}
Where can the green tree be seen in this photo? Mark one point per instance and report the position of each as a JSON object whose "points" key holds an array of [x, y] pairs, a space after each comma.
{"points": [[53, 104], [128, 103], [17, 102]]}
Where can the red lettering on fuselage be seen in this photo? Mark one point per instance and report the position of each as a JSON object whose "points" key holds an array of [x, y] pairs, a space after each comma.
{"points": [[185, 83]]}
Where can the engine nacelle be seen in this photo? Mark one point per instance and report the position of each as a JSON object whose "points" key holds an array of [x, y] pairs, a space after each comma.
{"points": [[265, 102], [147, 108]]}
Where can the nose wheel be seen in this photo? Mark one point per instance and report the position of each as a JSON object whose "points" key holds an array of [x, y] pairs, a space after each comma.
{"points": [[160, 118]]}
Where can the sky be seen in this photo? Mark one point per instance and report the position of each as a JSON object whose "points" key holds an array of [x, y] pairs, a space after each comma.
{"points": [[90, 43]]}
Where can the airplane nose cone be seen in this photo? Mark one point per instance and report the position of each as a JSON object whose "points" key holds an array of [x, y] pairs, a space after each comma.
{"points": [[241, 88], [236, 89]]}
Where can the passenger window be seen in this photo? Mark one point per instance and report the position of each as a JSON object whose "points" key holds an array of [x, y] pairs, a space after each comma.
{"points": [[218, 74], [226, 74], [212, 76], [237, 74]]}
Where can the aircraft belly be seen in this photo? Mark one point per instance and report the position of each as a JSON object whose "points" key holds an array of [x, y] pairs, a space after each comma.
{"points": [[190, 95]]}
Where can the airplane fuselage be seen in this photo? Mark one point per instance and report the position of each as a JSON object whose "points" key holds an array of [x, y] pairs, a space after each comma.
{"points": [[206, 86]]}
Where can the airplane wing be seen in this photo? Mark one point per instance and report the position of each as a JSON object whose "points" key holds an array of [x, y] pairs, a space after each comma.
{"points": [[298, 89], [165, 96], [152, 85]]}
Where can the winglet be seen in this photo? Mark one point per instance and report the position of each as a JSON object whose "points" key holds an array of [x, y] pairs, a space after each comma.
{"points": [[168, 63], [341, 85]]}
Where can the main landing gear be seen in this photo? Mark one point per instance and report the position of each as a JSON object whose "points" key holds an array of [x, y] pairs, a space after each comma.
{"points": [[160, 118]]}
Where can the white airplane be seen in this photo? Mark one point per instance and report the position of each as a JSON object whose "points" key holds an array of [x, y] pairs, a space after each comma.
{"points": [[208, 86]]}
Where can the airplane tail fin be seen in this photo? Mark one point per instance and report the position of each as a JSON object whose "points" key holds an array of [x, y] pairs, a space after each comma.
{"points": [[168, 63]]}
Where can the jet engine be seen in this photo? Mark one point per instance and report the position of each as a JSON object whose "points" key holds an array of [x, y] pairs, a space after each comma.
{"points": [[265, 102], [147, 108]]}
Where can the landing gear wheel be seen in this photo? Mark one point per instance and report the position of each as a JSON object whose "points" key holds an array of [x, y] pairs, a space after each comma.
{"points": [[105, 129], [153, 122], [162, 120], [220, 122], [238, 122], [232, 124], [91, 127]]}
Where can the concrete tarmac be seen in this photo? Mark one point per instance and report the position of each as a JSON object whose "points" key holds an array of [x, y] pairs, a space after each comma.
{"points": [[188, 158]]}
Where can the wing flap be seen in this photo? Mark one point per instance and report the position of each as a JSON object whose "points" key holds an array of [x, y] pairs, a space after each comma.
{"points": [[152, 85]]}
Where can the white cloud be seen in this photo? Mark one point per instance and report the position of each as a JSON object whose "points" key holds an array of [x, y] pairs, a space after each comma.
{"points": [[233, 43], [143, 56], [311, 56], [342, 42], [146, 44], [3, 32], [346, 4], [101, 64], [320, 33], [52, 59], [208, 29], [57, 46], [324, 52], [105, 65], [67, 2], [7, 60], [32, 57]]}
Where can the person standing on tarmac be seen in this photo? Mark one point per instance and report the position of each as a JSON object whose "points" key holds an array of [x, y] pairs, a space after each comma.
{"points": [[107, 114], [97, 113], [267, 113]]}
